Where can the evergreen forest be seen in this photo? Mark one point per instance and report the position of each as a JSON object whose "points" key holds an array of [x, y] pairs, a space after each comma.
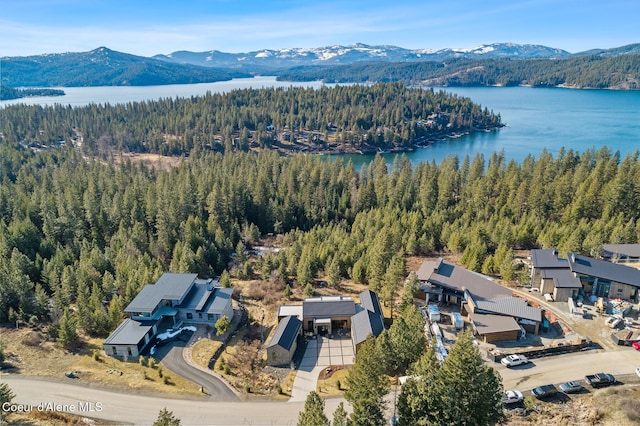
{"points": [[79, 229], [589, 71]]}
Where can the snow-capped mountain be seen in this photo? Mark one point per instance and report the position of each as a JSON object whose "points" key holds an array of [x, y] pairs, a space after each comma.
{"points": [[334, 55]]}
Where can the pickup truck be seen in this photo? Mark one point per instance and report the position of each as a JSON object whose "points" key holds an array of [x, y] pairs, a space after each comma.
{"points": [[600, 380]]}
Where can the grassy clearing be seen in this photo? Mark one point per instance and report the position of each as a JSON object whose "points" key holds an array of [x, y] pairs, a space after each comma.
{"points": [[203, 350], [329, 386], [33, 355]]}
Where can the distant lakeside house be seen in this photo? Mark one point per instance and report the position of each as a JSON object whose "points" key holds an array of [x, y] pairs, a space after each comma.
{"points": [[173, 300], [576, 275], [335, 315], [493, 311]]}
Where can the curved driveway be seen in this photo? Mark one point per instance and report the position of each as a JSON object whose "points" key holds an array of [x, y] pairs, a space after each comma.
{"points": [[172, 358]]}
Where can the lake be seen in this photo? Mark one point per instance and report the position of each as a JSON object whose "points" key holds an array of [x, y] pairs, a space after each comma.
{"points": [[535, 119]]}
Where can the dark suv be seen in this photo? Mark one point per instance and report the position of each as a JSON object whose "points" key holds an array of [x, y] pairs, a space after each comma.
{"points": [[544, 391]]}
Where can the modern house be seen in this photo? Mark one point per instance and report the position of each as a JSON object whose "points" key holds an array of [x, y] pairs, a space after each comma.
{"points": [[622, 253], [284, 342], [325, 315], [171, 301], [494, 312], [575, 274], [550, 274]]}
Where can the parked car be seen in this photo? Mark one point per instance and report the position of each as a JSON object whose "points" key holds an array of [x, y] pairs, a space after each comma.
{"points": [[600, 380], [512, 397], [513, 360], [571, 387], [544, 391], [638, 371], [636, 346], [613, 322]]}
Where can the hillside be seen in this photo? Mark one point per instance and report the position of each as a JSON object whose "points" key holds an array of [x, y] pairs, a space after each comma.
{"points": [[103, 67]]}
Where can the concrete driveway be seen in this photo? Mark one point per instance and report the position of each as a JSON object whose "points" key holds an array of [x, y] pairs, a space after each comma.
{"points": [[320, 353]]}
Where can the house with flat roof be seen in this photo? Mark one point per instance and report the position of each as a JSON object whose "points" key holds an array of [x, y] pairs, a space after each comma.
{"points": [[575, 274], [494, 312], [327, 315], [174, 299]]}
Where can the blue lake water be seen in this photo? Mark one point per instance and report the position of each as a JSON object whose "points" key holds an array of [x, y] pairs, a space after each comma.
{"points": [[535, 119]]}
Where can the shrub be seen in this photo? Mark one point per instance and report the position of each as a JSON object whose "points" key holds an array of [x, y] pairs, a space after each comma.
{"points": [[143, 361], [631, 408], [96, 355], [151, 362], [166, 380], [160, 371]]}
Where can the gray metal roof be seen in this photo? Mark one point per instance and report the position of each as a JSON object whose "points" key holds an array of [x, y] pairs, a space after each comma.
{"points": [[444, 274], [328, 307], [129, 332], [562, 278], [364, 324], [286, 333], [369, 300], [615, 272], [170, 286], [487, 323], [219, 302], [547, 259], [510, 306], [630, 250]]}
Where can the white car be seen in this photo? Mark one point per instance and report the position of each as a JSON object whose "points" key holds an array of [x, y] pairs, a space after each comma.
{"points": [[638, 371], [513, 360], [512, 397]]}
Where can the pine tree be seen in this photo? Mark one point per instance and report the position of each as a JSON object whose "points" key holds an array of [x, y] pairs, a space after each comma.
{"points": [[470, 390], [6, 395], [225, 279], [68, 336], [313, 414], [222, 325], [419, 401], [166, 418], [340, 416], [366, 387]]}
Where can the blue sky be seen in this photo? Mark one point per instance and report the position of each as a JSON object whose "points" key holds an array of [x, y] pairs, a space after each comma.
{"points": [[142, 27]]}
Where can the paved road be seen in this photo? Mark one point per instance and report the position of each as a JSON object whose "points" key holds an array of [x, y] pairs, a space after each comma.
{"points": [[562, 368], [171, 357], [126, 408]]}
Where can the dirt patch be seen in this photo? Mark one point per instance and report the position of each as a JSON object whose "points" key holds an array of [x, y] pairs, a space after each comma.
{"points": [[151, 160]]}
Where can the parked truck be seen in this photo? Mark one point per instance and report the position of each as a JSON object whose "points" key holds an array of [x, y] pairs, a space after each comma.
{"points": [[600, 380]]}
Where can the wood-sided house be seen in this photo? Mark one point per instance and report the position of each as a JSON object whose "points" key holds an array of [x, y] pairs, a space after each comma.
{"points": [[494, 312], [583, 275], [174, 299]]}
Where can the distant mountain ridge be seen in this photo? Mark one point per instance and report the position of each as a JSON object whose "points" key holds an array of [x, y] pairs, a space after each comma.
{"points": [[343, 55], [103, 67]]}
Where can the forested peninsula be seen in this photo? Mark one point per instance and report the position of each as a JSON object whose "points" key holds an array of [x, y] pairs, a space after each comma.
{"points": [[7, 93], [590, 71], [352, 118]]}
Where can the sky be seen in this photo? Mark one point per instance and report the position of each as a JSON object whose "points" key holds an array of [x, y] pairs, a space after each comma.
{"points": [[146, 28]]}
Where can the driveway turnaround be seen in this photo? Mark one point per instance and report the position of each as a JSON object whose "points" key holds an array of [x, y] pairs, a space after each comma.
{"points": [[319, 354]]}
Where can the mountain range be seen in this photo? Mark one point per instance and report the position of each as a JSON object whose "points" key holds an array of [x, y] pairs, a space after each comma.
{"points": [[341, 55], [105, 67]]}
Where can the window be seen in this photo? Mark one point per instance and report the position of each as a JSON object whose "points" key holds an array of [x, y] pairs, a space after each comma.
{"points": [[189, 315], [200, 315], [620, 290], [211, 317], [129, 350], [114, 350]]}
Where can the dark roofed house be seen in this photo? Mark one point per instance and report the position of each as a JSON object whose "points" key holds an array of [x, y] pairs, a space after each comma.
{"points": [[333, 315], [605, 279], [369, 321], [174, 297], [498, 314], [284, 342], [621, 253]]}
